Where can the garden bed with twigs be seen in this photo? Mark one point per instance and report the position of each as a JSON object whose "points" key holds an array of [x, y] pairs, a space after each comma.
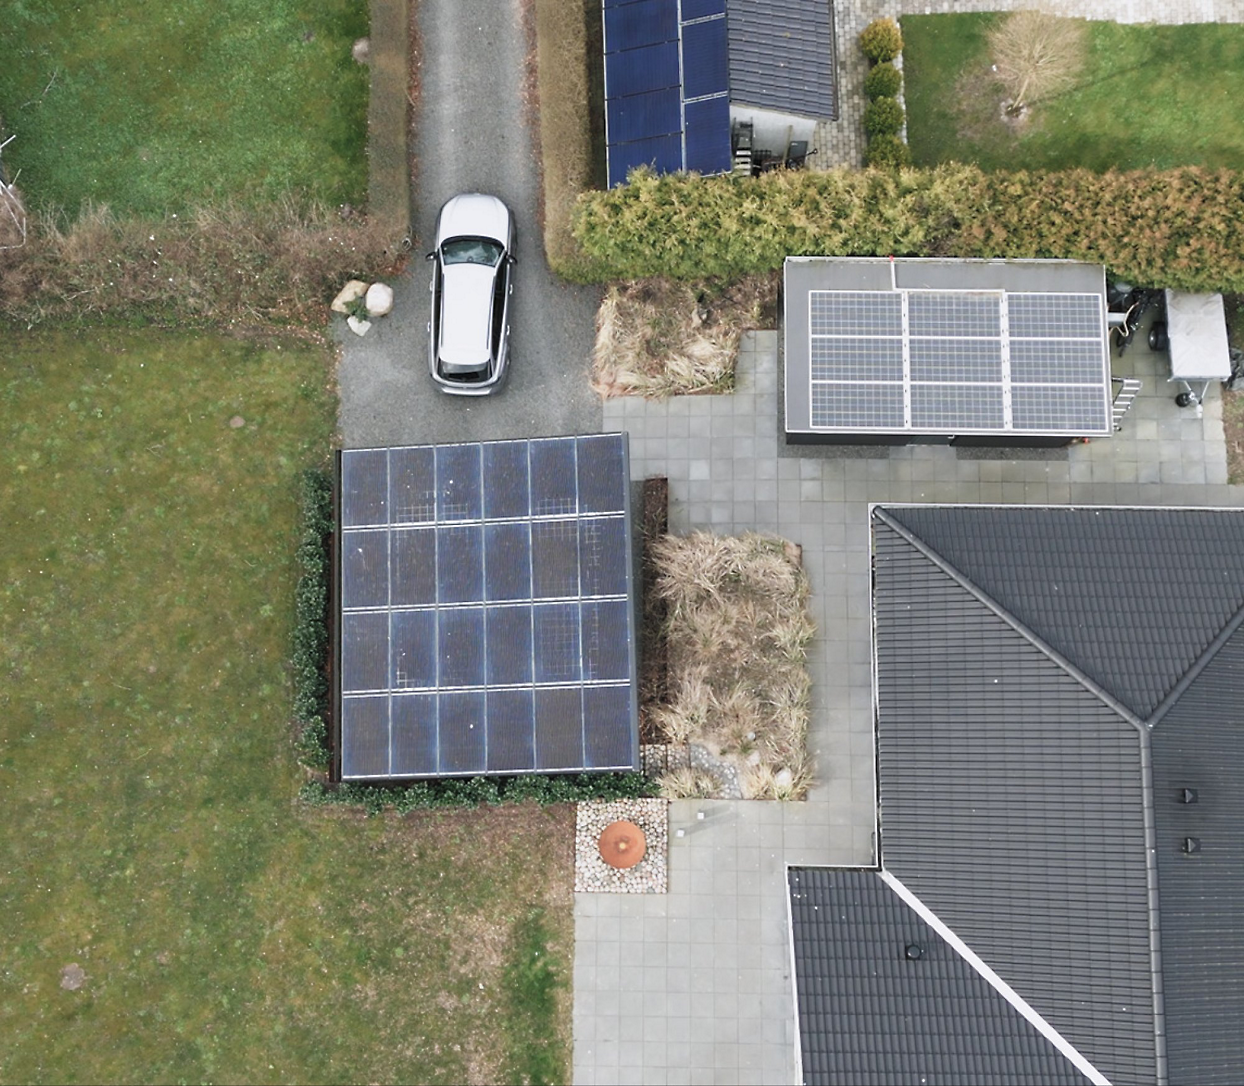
{"points": [[737, 643], [660, 337]]}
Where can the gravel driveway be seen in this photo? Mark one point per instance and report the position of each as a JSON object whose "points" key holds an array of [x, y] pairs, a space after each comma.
{"points": [[471, 136]]}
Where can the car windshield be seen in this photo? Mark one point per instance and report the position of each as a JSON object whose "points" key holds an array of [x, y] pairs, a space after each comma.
{"points": [[471, 251]]}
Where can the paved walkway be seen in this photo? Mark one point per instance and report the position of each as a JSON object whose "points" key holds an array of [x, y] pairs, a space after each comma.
{"points": [[695, 986], [842, 142]]}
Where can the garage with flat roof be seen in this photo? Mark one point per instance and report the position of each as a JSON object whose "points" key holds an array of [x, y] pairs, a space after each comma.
{"points": [[485, 610], [986, 352]]}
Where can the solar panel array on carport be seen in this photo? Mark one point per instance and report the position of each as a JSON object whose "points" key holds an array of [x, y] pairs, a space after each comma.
{"points": [[1009, 349], [486, 617], [666, 86]]}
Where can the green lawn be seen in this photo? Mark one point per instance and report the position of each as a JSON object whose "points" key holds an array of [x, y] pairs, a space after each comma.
{"points": [[153, 107], [147, 779], [1158, 96]]}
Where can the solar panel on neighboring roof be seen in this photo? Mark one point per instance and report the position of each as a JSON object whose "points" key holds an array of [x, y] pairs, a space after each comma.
{"points": [[486, 620], [666, 86], [957, 361]]}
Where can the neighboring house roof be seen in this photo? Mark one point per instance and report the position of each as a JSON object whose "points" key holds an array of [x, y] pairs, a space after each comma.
{"points": [[783, 56], [1049, 681]]}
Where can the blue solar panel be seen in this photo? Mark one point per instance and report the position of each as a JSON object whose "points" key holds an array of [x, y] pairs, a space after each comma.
{"points": [[488, 592], [698, 9], [642, 116], [413, 731], [637, 71], [631, 26], [507, 561], [511, 727], [505, 468], [664, 154], [704, 58], [708, 135]]}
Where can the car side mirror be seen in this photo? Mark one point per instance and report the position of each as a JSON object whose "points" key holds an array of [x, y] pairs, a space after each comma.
{"points": [[512, 259], [430, 256]]}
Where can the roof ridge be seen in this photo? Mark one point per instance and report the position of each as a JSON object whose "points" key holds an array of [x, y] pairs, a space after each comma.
{"points": [[1039, 643], [1198, 665], [1025, 1009]]}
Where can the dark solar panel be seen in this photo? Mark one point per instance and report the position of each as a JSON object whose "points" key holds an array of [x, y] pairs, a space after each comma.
{"points": [[646, 22], [704, 58], [663, 154], [642, 116], [637, 71], [475, 622], [708, 135], [698, 9]]}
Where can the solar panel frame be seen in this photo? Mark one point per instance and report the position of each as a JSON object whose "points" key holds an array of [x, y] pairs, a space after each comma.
{"points": [[704, 63], [531, 606], [941, 349]]}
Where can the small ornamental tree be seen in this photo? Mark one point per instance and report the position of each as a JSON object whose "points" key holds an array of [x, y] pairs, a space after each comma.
{"points": [[883, 117], [881, 40], [883, 81], [887, 152]]}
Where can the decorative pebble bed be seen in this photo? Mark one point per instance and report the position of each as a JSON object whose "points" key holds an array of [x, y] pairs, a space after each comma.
{"points": [[593, 875], [656, 759]]}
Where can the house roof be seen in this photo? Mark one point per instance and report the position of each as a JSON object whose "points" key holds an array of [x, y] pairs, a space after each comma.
{"points": [[783, 56], [1037, 725], [870, 1013]]}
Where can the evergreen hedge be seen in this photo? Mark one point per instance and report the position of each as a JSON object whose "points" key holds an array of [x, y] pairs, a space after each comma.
{"points": [[883, 117], [310, 637], [474, 791], [884, 81], [1177, 228]]}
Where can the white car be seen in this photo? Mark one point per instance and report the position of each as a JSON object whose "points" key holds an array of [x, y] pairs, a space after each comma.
{"points": [[469, 333]]}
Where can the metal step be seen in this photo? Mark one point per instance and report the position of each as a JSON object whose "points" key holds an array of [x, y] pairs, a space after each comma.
{"points": [[1129, 387]]}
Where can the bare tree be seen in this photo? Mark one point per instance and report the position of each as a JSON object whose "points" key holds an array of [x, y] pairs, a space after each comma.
{"points": [[1036, 54]]}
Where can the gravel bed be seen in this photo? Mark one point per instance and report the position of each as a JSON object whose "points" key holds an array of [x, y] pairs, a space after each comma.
{"points": [[593, 875], [657, 759]]}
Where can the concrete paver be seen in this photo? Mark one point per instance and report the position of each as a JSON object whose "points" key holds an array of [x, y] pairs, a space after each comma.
{"points": [[720, 973]]}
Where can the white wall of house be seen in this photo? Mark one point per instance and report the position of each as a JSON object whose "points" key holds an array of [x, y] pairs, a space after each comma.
{"points": [[773, 131]]}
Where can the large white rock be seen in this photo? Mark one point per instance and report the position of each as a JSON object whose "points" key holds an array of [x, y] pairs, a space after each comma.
{"points": [[355, 288], [358, 327], [379, 300]]}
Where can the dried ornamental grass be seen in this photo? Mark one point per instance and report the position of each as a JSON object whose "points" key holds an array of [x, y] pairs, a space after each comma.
{"points": [[660, 337], [738, 634]]}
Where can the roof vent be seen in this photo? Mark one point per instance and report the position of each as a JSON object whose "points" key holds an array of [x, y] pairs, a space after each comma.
{"points": [[1192, 845], [914, 952], [1187, 795]]}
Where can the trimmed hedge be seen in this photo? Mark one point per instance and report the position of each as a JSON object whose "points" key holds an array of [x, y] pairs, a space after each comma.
{"points": [[884, 81], [883, 117], [887, 151], [474, 791], [881, 40], [310, 637], [1176, 228]]}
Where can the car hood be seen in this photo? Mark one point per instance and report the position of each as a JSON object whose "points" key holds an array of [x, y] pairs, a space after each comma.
{"points": [[466, 306], [474, 215]]}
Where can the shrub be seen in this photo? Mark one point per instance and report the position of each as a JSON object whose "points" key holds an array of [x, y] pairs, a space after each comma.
{"points": [[888, 152], [881, 40], [884, 81], [473, 791], [227, 266], [883, 117], [1177, 228], [310, 635]]}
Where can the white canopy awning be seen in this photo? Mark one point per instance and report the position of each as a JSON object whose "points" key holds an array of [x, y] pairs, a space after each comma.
{"points": [[1197, 327]]}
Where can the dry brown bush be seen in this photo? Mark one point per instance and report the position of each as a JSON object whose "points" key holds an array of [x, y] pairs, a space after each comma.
{"points": [[225, 266], [1036, 55], [661, 337], [12, 217], [738, 633], [565, 120]]}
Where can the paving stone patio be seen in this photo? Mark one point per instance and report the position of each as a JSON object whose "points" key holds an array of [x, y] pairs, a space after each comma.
{"points": [[695, 986]]}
